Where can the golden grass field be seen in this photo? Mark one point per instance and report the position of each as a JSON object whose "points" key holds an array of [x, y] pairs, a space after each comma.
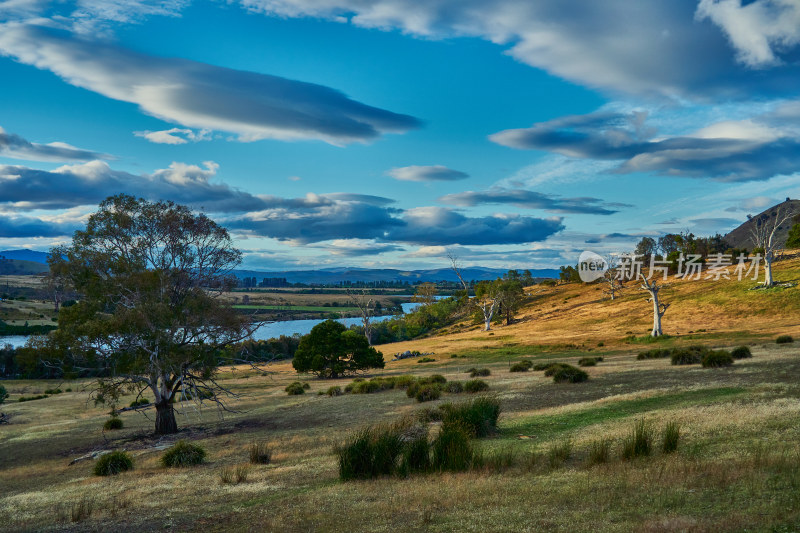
{"points": [[737, 467]]}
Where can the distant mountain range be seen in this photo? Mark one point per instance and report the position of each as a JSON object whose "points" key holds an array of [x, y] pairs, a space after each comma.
{"points": [[33, 262], [742, 236]]}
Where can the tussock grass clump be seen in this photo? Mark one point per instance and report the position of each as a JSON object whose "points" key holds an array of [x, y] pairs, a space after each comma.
{"points": [[140, 402], [53, 391], [543, 366], [113, 423], [260, 453], [32, 398], [478, 417], [742, 352], [82, 509], [599, 451], [430, 414], [183, 453], [426, 360], [692, 355], [113, 463], [479, 372], [235, 475], [552, 368], [497, 460], [589, 361], [670, 437], [452, 449], [522, 366], [639, 441], [717, 359], [655, 353], [428, 393], [371, 452], [295, 388], [334, 390], [475, 385], [559, 453], [416, 457], [569, 374], [454, 387], [784, 339]]}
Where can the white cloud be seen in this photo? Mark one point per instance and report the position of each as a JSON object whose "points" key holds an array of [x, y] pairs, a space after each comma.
{"points": [[16, 147], [175, 135], [426, 173], [196, 95]]}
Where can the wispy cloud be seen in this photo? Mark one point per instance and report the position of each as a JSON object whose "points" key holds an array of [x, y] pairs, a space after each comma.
{"points": [[426, 173], [532, 200], [174, 135], [16, 147], [197, 95]]}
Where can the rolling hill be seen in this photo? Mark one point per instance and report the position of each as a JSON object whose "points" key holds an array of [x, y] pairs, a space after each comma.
{"points": [[741, 237]]}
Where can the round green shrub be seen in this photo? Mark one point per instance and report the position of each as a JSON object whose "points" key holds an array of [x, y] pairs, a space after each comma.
{"points": [[692, 355], [140, 402], [520, 367], [717, 359], [784, 339], [435, 378], [183, 453], [569, 374], [454, 387], [113, 463], [479, 372], [587, 361], [742, 352], [295, 388], [335, 390], [475, 385], [113, 423], [427, 393], [552, 368]]}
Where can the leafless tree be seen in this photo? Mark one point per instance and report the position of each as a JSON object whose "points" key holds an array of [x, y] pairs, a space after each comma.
{"points": [[763, 233], [454, 264], [611, 277], [366, 305], [659, 308]]}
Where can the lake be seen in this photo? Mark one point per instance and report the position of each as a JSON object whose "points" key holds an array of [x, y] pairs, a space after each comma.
{"points": [[267, 331]]}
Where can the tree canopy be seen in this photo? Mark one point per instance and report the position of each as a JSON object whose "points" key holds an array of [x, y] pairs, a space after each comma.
{"points": [[149, 318], [331, 350]]}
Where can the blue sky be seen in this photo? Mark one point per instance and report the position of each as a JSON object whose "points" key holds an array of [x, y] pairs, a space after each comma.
{"points": [[384, 133]]}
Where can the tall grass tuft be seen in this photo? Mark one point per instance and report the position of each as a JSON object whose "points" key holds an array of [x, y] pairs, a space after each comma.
{"points": [[599, 451], [639, 441], [416, 456], [670, 437], [260, 453], [113, 463], [475, 385], [478, 417], [183, 453], [452, 449], [559, 453], [371, 452]]}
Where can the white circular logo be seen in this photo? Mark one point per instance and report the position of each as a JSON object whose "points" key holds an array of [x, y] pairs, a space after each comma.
{"points": [[591, 266]]}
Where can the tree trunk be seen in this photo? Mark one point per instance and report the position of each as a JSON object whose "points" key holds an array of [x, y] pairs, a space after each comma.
{"points": [[165, 419], [657, 331], [768, 280]]}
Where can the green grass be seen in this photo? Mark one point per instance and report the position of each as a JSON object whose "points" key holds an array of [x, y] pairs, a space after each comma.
{"points": [[548, 426]]}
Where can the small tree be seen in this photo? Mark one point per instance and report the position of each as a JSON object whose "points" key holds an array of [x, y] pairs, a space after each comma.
{"points": [[366, 306], [511, 297], [149, 275], [659, 308], [611, 278], [793, 240], [425, 293], [763, 237], [487, 296], [331, 351]]}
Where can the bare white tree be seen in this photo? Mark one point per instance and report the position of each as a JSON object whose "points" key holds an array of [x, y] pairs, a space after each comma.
{"points": [[659, 308], [366, 305], [762, 233], [611, 277], [455, 265]]}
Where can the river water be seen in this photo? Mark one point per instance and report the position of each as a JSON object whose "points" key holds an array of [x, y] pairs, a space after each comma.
{"points": [[267, 331]]}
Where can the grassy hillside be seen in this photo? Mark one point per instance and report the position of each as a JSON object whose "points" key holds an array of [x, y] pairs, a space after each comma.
{"points": [[737, 466]]}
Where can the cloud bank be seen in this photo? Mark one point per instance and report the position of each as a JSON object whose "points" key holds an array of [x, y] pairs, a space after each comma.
{"points": [[532, 200]]}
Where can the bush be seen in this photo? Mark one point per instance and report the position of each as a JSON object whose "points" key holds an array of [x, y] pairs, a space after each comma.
{"points": [[260, 453], [478, 417], [587, 361], [784, 339], [670, 438], [552, 368], [140, 402], [717, 359], [475, 385], [3, 394], [479, 372], [543, 366], [569, 374], [691, 355], [435, 378], [599, 451], [335, 390], [183, 453], [295, 388], [742, 352], [452, 449], [426, 360], [113, 423], [32, 398], [113, 463], [655, 353], [454, 387], [53, 391], [370, 452], [427, 393], [522, 366], [639, 442]]}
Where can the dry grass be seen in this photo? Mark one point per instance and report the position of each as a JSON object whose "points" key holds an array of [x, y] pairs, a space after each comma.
{"points": [[737, 466]]}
